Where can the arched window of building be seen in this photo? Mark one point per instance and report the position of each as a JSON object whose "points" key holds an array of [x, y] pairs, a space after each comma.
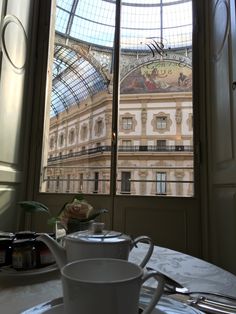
{"points": [[161, 122], [71, 136], [61, 139], [161, 183], [51, 145], [98, 127], [125, 182], [127, 123]]}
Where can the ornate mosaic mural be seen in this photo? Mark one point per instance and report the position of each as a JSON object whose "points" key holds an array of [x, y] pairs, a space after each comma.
{"points": [[158, 77]]}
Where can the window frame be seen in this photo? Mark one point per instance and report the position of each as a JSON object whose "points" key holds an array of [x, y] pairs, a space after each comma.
{"points": [[125, 182], [71, 136], [161, 183]]}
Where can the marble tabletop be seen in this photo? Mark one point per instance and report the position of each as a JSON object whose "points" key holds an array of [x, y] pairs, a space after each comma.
{"points": [[21, 292], [193, 273]]}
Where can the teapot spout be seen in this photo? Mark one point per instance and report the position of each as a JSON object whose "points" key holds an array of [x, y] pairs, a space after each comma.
{"points": [[57, 250]]}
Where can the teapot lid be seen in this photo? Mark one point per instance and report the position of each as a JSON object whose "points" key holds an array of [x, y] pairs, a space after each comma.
{"points": [[98, 234], [103, 234]]}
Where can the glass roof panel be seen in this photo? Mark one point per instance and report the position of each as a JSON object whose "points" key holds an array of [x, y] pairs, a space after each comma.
{"points": [[143, 22], [74, 79], [62, 18], [147, 2], [173, 1], [178, 15], [102, 12], [138, 2], [65, 4], [93, 21], [91, 32]]}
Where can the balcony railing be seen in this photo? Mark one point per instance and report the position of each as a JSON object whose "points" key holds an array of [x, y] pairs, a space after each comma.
{"points": [[135, 148], [67, 179]]}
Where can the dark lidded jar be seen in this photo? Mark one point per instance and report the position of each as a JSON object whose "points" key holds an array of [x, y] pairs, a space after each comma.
{"points": [[24, 254], [4, 234], [5, 251], [44, 255], [25, 235]]}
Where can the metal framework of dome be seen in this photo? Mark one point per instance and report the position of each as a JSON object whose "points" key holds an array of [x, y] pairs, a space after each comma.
{"points": [[74, 79], [143, 25]]}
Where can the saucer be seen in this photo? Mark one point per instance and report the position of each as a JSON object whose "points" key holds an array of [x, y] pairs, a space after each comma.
{"points": [[9, 272], [59, 309], [164, 306]]}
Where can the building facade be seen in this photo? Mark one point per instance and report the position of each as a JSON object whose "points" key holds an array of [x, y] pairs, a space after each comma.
{"points": [[155, 134]]}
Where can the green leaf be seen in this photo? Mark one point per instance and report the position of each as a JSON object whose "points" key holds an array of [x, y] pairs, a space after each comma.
{"points": [[98, 213], [79, 197], [33, 206], [62, 209], [93, 216], [52, 220]]}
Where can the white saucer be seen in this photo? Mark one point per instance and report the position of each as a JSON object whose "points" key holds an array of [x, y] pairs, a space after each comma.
{"points": [[165, 306], [59, 309], [9, 272]]}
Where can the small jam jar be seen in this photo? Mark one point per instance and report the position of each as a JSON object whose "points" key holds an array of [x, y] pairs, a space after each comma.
{"points": [[24, 254], [4, 234], [5, 251], [44, 255], [25, 235]]}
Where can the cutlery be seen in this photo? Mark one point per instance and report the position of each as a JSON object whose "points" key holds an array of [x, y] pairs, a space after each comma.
{"points": [[186, 291], [204, 304], [201, 303], [214, 302], [174, 287]]}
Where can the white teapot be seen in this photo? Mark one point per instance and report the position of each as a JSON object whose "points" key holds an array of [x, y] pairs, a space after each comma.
{"points": [[89, 244]]}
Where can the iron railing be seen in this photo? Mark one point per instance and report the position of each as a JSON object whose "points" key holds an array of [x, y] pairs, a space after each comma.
{"points": [[134, 148]]}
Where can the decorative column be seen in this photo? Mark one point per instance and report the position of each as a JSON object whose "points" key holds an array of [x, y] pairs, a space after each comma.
{"points": [[143, 185], [106, 183], [87, 185], [108, 119], [66, 135], [77, 127], [144, 124], [90, 129], [190, 185], [178, 118], [179, 175]]}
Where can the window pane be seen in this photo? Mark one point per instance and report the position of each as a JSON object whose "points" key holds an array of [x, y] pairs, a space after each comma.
{"points": [[125, 181], [161, 143], [127, 123], [96, 182], [77, 148], [161, 183], [161, 122], [156, 91]]}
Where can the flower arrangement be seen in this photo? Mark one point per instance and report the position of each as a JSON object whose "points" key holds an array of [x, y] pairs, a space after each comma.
{"points": [[78, 214], [73, 216]]}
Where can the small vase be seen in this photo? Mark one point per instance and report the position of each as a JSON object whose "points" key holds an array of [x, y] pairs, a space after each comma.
{"points": [[74, 225]]}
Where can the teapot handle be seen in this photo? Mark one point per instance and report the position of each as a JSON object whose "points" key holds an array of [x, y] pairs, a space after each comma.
{"points": [[148, 240]]}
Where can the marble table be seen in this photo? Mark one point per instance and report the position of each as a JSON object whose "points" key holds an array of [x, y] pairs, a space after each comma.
{"points": [[193, 273], [21, 292]]}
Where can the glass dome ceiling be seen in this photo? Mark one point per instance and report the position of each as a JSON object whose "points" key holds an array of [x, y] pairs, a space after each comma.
{"points": [[143, 22], [93, 21], [74, 79]]}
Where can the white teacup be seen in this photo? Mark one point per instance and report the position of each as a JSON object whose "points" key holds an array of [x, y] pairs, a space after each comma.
{"points": [[106, 286]]}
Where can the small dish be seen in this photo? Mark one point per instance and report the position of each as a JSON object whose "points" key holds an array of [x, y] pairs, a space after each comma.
{"points": [[9, 272]]}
